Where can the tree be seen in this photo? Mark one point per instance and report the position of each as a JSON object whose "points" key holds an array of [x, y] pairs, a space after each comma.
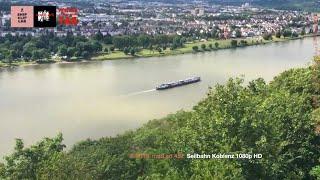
{"points": [[29, 47], [2, 170], [12, 55], [44, 53], [112, 48], [216, 44], [132, 51], [267, 36], [121, 42], [243, 43], [144, 41], [295, 34], [85, 54], [195, 48], [27, 54], [234, 43], [71, 51], [203, 46], [1, 57], [107, 39], [96, 46], [178, 41], [62, 50], [126, 50], [98, 36], [278, 34], [26, 163], [210, 46], [287, 33], [106, 50], [36, 55], [315, 172]]}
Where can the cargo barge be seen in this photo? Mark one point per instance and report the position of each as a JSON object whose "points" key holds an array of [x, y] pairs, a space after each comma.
{"points": [[178, 83]]}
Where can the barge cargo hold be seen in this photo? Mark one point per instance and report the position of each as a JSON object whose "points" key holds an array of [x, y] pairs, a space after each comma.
{"points": [[178, 83]]}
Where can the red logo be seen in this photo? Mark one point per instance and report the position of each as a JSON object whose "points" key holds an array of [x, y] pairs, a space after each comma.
{"points": [[68, 16]]}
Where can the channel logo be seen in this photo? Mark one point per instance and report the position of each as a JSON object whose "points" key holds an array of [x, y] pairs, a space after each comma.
{"points": [[45, 16], [33, 16], [22, 16]]}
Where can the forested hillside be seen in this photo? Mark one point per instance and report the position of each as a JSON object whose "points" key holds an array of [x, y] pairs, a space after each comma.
{"points": [[308, 5], [280, 120]]}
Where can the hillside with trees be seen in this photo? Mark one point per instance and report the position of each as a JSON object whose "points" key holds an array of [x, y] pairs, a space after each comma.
{"points": [[308, 5], [279, 119]]}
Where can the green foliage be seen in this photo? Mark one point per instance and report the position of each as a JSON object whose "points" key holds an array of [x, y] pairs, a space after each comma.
{"points": [[295, 34], [216, 44], [133, 51], [25, 163], [26, 48], [159, 50], [267, 36], [234, 43], [195, 48], [98, 36], [62, 50], [315, 172], [146, 41], [243, 43], [2, 170], [203, 46], [287, 33], [126, 50]]}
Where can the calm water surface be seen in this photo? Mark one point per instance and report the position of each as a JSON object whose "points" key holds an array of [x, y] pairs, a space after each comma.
{"points": [[91, 100]]}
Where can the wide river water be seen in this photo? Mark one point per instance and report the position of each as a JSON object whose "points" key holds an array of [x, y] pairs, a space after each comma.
{"points": [[91, 100]]}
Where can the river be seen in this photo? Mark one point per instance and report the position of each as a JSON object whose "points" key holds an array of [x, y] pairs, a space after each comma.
{"points": [[91, 100]]}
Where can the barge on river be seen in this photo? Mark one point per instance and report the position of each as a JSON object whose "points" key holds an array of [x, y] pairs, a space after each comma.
{"points": [[178, 83]]}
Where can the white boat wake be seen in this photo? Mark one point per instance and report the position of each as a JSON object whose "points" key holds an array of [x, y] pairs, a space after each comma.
{"points": [[137, 93]]}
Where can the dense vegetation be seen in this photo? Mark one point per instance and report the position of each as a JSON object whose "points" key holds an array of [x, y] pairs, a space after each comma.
{"points": [[28, 48], [280, 120]]}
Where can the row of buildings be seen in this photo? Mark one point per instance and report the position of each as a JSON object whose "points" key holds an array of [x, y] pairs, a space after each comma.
{"points": [[122, 17]]}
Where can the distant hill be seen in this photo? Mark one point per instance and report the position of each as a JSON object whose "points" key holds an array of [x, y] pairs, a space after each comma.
{"points": [[308, 5]]}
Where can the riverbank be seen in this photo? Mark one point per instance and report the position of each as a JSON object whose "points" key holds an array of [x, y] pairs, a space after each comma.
{"points": [[188, 48]]}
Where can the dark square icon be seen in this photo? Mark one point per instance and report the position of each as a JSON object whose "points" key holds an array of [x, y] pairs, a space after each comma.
{"points": [[45, 16]]}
